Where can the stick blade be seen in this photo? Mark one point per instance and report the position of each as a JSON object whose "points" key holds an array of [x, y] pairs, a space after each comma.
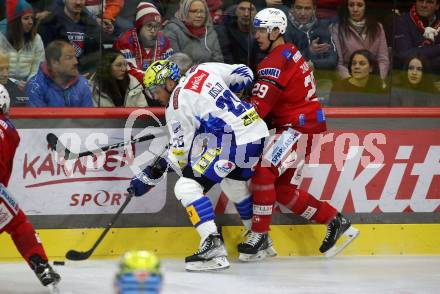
{"points": [[52, 141], [56, 145], [77, 255]]}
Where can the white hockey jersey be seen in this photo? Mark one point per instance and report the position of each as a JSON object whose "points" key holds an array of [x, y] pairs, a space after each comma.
{"points": [[203, 102]]}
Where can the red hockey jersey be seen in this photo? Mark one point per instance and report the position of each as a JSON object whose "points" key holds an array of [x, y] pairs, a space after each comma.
{"points": [[284, 92], [9, 140]]}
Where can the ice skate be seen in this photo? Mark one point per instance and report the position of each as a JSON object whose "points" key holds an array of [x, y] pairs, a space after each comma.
{"points": [[339, 226], [211, 256], [45, 273], [256, 247]]}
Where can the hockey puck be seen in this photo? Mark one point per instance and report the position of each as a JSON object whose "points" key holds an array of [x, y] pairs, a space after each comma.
{"points": [[58, 262]]}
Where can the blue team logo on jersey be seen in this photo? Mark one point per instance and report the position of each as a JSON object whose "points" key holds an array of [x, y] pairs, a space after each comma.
{"points": [[287, 54], [320, 115], [302, 119]]}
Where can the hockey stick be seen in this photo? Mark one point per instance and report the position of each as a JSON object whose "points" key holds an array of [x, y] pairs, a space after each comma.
{"points": [[56, 145], [82, 255]]}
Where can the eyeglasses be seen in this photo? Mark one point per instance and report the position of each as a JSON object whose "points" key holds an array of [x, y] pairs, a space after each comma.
{"points": [[152, 26]]}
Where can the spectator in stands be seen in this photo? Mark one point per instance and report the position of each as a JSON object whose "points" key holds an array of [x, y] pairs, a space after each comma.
{"points": [[127, 15], [363, 87], [71, 22], [312, 37], [107, 17], [144, 44], [22, 43], [58, 82], [417, 32], [191, 31], [414, 86], [235, 35], [42, 8], [357, 29], [114, 86], [18, 98]]}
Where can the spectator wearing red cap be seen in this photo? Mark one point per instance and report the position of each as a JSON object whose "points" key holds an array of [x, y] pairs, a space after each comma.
{"points": [[191, 31], [144, 43], [21, 42]]}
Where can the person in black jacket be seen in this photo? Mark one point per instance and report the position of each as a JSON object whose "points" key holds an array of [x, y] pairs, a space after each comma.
{"points": [[236, 36], [418, 32], [313, 39], [70, 22]]}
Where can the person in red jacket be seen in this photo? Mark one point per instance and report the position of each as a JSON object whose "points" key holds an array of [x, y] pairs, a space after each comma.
{"points": [[12, 218], [145, 43], [284, 95]]}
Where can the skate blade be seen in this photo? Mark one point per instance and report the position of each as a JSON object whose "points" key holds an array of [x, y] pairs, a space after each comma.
{"points": [[351, 233], [271, 252], [53, 288], [215, 264], [261, 255]]}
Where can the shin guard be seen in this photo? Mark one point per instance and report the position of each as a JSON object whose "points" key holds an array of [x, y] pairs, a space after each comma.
{"points": [[264, 197], [303, 204], [200, 211]]}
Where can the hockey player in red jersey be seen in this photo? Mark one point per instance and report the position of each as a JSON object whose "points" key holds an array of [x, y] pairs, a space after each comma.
{"points": [[12, 218], [284, 95]]}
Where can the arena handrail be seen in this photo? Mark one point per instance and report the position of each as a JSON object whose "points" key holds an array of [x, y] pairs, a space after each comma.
{"points": [[330, 112]]}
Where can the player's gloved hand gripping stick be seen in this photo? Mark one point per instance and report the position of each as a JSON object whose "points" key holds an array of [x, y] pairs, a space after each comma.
{"points": [[139, 185], [56, 145]]}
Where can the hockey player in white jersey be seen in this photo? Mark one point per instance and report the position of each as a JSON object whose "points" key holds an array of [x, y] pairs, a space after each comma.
{"points": [[201, 107]]}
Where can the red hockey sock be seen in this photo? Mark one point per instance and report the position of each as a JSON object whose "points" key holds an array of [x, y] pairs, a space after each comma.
{"points": [[25, 237], [303, 204], [263, 197]]}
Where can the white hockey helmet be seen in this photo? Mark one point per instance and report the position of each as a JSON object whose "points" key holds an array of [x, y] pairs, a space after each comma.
{"points": [[5, 101], [271, 18]]}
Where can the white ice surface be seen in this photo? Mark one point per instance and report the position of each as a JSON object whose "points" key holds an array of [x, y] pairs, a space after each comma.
{"points": [[377, 275]]}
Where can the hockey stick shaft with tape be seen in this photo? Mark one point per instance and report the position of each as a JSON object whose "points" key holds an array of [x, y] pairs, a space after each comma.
{"points": [[83, 255], [55, 144]]}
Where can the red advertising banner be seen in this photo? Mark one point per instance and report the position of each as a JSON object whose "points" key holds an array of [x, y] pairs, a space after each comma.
{"points": [[364, 171]]}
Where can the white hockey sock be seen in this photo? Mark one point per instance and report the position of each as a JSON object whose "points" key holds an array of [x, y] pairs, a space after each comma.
{"points": [[205, 229]]}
